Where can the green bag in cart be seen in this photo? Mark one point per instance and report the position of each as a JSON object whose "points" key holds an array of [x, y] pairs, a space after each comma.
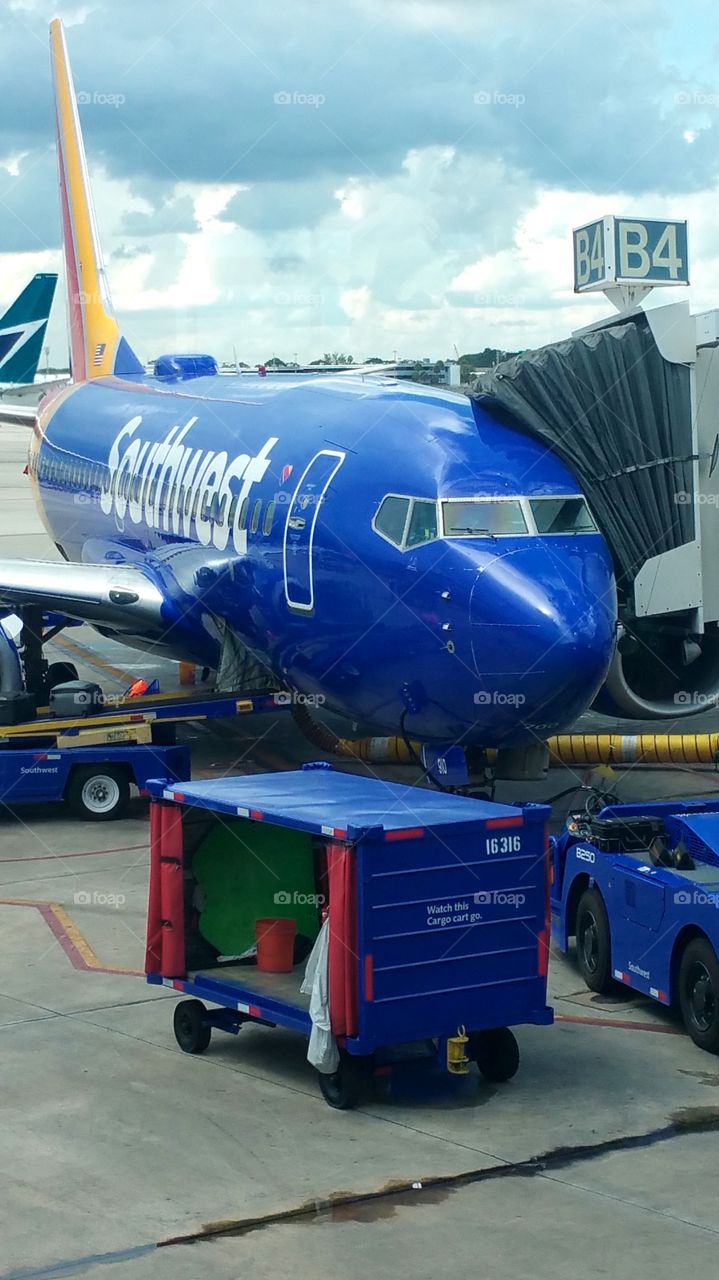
{"points": [[246, 871]]}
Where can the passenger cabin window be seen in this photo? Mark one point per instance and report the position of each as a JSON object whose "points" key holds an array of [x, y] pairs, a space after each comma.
{"points": [[392, 518], [562, 515], [480, 517], [255, 522], [269, 517]]}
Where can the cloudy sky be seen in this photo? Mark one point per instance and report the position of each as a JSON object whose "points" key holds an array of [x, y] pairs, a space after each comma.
{"points": [[372, 176]]}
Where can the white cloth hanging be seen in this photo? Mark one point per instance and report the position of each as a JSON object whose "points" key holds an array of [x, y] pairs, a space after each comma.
{"points": [[322, 1051]]}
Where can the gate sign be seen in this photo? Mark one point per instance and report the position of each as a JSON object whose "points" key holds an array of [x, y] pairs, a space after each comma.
{"points": [[630, 251]]}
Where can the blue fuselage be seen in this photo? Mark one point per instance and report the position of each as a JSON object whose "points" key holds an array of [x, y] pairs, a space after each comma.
{"points": [[251, 503]]}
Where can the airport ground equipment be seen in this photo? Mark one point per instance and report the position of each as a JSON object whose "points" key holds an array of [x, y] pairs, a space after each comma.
{"points": [[437, 909], [93, 781], [90, 761], [637, 885]]}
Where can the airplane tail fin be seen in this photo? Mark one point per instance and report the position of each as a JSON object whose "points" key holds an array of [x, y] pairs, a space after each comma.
{"points": [[97, 347], [22, 330]]}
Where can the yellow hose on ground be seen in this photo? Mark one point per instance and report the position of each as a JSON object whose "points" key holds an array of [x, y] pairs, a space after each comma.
{"points": [[566, 748], [639, 748], [373, 750]]}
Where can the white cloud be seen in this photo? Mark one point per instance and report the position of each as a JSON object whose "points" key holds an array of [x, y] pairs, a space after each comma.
{"points": [[355, 302]]}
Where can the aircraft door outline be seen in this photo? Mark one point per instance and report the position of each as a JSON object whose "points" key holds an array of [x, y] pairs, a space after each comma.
{"points": [[299, 533]]}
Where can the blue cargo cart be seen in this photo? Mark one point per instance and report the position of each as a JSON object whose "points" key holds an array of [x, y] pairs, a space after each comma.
{"points": [[637, 885], [437, 905]]}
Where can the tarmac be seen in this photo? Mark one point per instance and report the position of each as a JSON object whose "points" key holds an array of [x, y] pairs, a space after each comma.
{"points": [[120, 1155]]}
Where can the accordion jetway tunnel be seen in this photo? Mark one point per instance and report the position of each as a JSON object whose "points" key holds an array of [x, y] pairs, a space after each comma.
{"points": [[629, 405], [419, 920]]}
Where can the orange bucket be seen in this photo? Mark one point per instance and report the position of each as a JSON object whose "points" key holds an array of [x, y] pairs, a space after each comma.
{"points": [[275, 938]]}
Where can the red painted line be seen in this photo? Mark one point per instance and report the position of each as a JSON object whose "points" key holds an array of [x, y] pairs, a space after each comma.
{"points": [[86, 853], [621, 1026], [76, 948], [73, 954]]}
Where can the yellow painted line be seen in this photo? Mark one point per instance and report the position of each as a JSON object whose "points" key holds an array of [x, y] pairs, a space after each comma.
{"points": [[87, 655], [69, 936]]}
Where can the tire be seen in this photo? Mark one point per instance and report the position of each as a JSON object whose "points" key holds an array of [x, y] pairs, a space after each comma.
{"points": [[496, 1053], [60, 673], [699, 994], [594, 943], [344, 1088], [98, 792], [191, 1031]]}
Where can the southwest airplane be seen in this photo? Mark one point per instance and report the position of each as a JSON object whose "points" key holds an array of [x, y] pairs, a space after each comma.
{"points": [[22, 330], [388, 546]]}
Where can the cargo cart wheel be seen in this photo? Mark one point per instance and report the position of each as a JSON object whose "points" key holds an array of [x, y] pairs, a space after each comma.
{"points": [[191, 1031], [344, 1088], [699, 994], [60, 673], [496, 1053], [98, 792], [594, 948]]}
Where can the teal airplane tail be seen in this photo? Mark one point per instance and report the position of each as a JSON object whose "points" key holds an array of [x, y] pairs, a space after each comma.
{"points": [[22, 329]]}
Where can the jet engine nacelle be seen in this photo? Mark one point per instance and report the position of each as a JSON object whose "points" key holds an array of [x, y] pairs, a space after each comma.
{"points": [[661, 671]]}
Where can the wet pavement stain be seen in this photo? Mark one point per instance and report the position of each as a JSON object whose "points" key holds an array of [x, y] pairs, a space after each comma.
{"points": [[709, 1078], [382, 1203]]}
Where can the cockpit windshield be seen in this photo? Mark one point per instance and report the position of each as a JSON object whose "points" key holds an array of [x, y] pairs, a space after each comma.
{"points": [[480, 517], [411, 521]]}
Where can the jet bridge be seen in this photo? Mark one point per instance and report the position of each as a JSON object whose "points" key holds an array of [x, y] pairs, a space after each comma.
{"points": [[630, 404]]}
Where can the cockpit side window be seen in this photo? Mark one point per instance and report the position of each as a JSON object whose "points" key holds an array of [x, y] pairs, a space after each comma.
{"points": [[562, 515], [422, 523], [391, 518]]}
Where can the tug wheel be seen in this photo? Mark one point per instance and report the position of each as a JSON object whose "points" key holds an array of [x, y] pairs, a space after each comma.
{"points": [[699, 994], [594, 944], [191, 1031]]}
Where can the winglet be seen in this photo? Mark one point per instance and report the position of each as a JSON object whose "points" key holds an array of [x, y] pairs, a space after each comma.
{"points": [[97, 348], [22, 329]]}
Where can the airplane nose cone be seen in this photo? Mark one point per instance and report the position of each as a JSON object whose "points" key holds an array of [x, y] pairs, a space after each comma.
{"points": [[542, 633]]}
